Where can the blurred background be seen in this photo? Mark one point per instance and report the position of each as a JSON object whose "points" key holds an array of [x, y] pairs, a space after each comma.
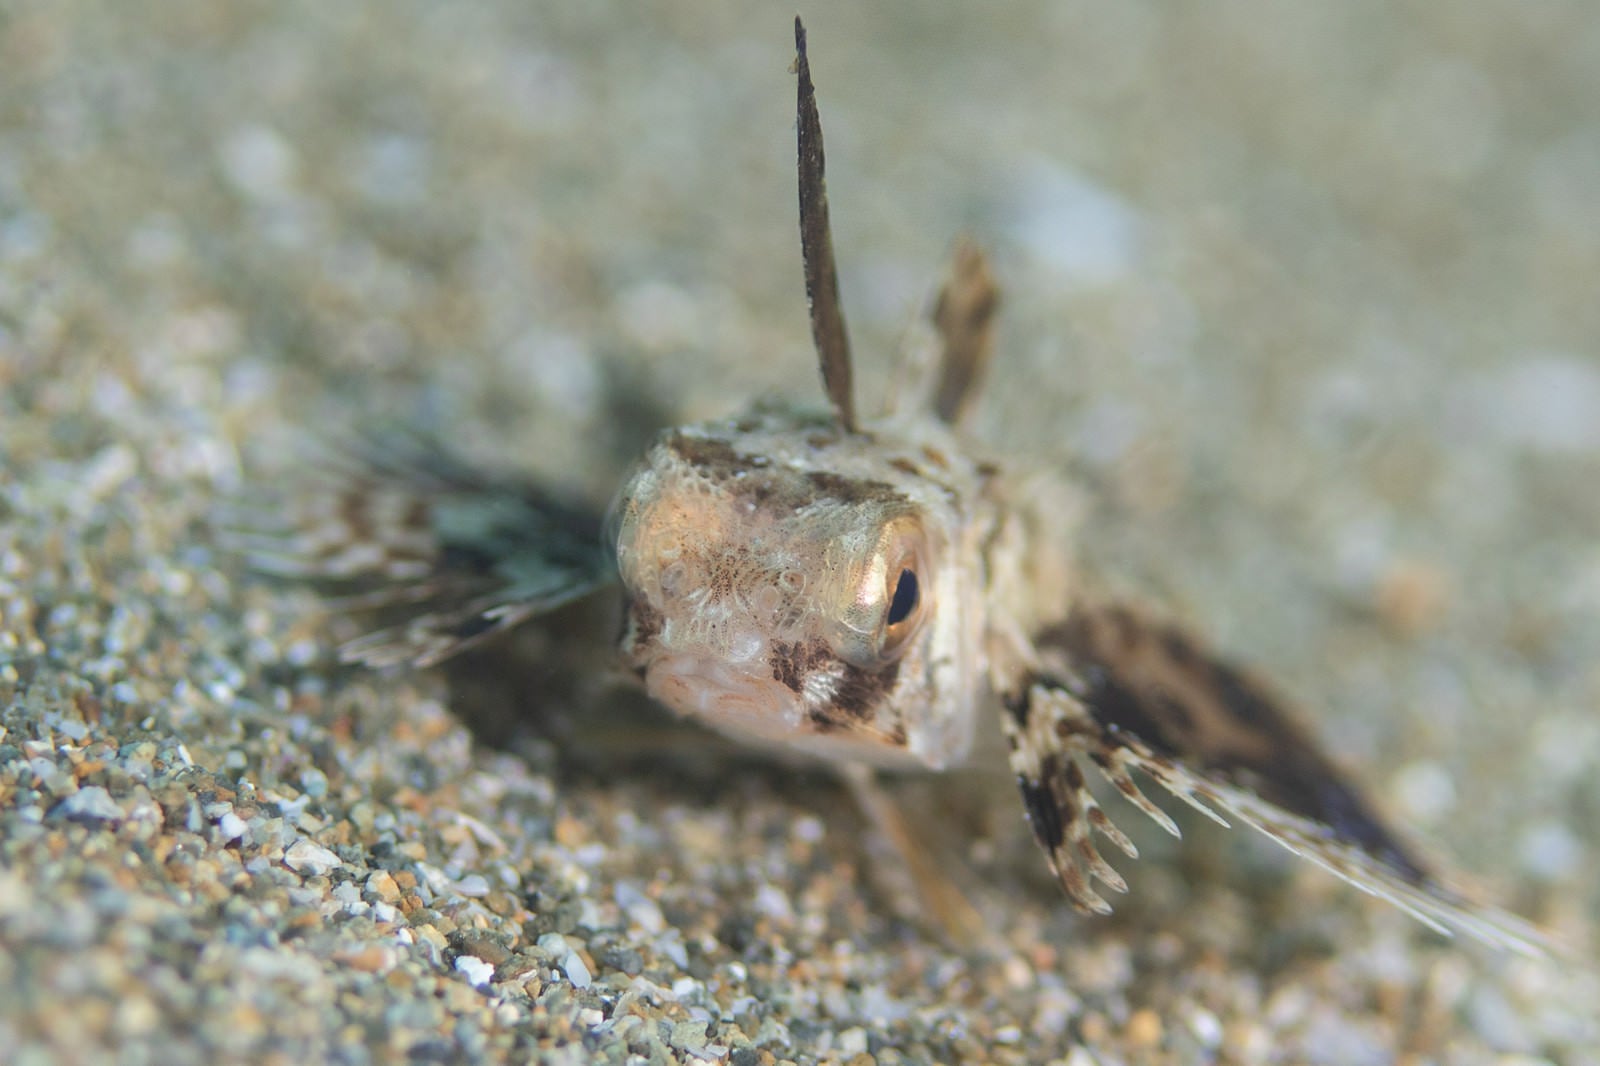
{"points": [[1306, 291]]}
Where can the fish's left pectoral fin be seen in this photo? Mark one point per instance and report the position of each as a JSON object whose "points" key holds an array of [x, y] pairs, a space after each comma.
{"points": [[1123, 693]]}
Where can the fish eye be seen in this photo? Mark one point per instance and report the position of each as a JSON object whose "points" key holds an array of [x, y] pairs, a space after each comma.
{"points": [[905, 610], [891, 597], [905, 598]]}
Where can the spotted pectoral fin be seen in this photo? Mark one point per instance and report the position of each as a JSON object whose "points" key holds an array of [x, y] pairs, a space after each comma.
{"points": [[1125, 694], [443, 554]]}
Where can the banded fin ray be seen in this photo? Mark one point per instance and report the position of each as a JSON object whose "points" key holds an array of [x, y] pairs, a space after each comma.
{"points": [[1127, 694], [446, 554]]}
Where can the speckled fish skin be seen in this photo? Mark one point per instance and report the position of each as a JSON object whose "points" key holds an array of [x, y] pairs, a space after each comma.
{"points": [[762, 556]]}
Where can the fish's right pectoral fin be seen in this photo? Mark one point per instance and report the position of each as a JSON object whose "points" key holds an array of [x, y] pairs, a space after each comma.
{"points": [[443, 554]]}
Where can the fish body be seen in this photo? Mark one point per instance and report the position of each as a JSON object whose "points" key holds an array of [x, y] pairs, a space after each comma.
{"points": [[872, 591]]}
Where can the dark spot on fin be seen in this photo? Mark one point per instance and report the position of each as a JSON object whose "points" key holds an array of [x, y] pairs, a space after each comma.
{"points": [[1044, 813], [1149, 682]]}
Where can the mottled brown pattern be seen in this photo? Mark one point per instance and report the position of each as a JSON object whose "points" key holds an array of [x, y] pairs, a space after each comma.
{"points": [[712, 455], [752, 476], [853, 491], [860, 692], [793, 663], [643, 622]]}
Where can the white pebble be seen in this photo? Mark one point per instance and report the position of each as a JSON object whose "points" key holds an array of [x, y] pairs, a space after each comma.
{"points": [[475, 970], [307, 857], [576, 971], [1205, 1027], [1424, 792], [259, 162], [808, 829], [92, 804], [853, 1042], [640, 908], [771, 902], [1547, 403], [231, 827], [1551, 851], [473, 886]]}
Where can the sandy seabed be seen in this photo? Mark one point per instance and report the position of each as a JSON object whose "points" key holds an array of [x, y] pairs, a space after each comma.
{"points": [[1306, 291]]}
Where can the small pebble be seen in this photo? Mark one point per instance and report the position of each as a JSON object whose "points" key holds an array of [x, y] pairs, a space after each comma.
{"points": [[92, 804], [307, 857], [477, 971], [230, 827], [576, 971], [1144, 1029]]}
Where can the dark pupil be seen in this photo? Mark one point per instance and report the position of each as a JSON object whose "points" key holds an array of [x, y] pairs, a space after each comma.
{"points": [[905, 598]]}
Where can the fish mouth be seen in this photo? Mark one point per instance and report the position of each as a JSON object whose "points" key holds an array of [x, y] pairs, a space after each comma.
{"points": [[723, 694]]}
